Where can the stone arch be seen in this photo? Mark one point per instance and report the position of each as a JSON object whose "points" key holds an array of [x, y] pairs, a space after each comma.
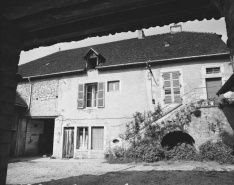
{"points": [[173, 138]]}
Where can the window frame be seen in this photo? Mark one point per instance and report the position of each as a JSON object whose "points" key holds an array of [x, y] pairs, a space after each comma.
{"points": [[92, 135], [114, 90], [83, 92], [78, 147], [171, 70], [213, 70], [93, 99]]}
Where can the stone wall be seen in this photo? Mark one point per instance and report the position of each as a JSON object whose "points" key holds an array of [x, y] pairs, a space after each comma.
{"points": [[44, 96], [211, 124]]}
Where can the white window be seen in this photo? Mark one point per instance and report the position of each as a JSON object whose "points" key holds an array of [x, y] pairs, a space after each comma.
{"points": [[91, 95], [82, 138], [213, 70], [113, 86], [172, 87], [97, 138]]}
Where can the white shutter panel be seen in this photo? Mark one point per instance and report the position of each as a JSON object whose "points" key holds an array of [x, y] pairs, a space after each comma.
{"points": [[167, 88], [81, 92], [101, 95], [176, 86], [97, 138]]}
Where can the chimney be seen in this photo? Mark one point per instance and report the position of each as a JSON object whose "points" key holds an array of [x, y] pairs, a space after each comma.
{"points": [[141, 34], [176, 29]]}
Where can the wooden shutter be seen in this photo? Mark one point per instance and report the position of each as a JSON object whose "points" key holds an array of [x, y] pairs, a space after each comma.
{"points": [[176, 87], [101, 97], [97, 138], [167, 88], [172, 87], [81, 92]]}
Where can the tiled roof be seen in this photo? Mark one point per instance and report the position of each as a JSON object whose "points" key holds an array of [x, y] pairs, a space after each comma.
{"points": [[19, 101], [183, 44]]}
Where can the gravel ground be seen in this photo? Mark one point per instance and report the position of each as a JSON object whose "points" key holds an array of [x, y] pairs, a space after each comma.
{"points": [[93, 171]]}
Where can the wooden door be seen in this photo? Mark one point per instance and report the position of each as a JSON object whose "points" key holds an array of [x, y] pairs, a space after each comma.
{"points": [[68, 142], [212, 87], [97, 138], [34, 129]]}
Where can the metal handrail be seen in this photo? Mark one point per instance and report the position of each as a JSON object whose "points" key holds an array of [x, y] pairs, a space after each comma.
{"points": [[192, 90]]}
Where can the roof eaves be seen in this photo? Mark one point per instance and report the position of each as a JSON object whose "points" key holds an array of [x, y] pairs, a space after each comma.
{"points": [[163, 60], [52, 74], [127, 64]]}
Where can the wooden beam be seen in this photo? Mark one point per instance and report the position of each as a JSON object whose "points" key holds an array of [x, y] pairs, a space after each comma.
{"points": [[74, 13], [13, 9], [118, 27]]}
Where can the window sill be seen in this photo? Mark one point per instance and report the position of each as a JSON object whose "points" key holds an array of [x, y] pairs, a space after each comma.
{"points": [[90, 108]]}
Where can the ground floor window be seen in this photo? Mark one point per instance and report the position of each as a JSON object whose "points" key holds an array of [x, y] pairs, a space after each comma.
{"points": [[82, 138], [97, 138]]}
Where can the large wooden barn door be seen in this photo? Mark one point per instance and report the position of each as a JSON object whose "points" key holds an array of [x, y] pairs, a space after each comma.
{"points": [[68, 142], [34, 129]]}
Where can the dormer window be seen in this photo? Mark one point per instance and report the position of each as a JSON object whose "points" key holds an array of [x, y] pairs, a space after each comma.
{"points": [[93, 59], [92, 62]]}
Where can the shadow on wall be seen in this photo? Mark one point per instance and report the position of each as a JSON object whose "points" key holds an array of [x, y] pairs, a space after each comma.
{"points": [[173, 138], [149, 177], [228, 111]]}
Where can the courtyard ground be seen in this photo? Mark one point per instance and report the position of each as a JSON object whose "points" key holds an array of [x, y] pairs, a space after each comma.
{"points": [[97, 172]]}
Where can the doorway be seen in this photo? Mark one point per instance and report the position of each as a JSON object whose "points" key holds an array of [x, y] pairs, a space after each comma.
{"points": [[46, 139], [68, 142], [39, 137], [212, 87]]}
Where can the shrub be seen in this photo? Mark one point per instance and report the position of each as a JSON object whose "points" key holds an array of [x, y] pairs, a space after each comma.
{"points": [[146, 150], [217, 151], [181, 151]]}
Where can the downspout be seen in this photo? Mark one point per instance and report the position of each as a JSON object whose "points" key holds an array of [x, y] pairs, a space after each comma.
{"points": [[152, 77], [20, 119]]}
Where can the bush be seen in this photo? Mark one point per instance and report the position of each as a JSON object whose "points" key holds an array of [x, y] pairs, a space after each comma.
{"points": [[181, 151], [146, 150], [217, 151]]}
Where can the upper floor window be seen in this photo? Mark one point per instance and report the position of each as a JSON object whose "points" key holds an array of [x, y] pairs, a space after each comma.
{"points": [[91, 95], [213, 70], [113, 86], [172, 87]]}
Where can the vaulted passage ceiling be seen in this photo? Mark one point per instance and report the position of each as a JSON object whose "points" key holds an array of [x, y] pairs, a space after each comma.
{"points": [[47, 22]]}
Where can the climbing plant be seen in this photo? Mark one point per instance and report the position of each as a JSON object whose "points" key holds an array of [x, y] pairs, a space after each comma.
{"points": [[145, 125]]}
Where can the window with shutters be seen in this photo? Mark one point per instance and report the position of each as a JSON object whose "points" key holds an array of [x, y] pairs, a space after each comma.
{"points": [[91, 95], [172, 93]]}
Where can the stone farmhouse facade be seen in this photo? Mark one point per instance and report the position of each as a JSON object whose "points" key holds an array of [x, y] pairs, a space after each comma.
{"points": [[79, 100]]}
